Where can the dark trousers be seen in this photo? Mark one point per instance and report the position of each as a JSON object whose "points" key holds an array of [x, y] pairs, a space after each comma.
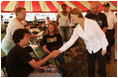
{"points": [[109, 36], [101, 64]]}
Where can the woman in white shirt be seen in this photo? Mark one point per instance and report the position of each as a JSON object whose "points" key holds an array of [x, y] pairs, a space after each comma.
{"points": [[94, 39]]}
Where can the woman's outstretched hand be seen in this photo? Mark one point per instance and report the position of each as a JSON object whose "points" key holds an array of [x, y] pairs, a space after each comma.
{"points": [[56, 53]]}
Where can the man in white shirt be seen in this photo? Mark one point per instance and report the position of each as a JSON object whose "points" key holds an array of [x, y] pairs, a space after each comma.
{"points": [[111, 19], [14, 24]]}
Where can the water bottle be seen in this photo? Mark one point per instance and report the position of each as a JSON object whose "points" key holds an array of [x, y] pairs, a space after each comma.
{"points": [[53, 69], [47, 69]]}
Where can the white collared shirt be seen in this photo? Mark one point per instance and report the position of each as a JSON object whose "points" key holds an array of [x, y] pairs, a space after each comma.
{"points": [[111, 19], [92, 35]]}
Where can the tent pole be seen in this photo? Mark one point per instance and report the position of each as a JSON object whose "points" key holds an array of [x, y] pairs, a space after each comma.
{"points": [[30, 10]]}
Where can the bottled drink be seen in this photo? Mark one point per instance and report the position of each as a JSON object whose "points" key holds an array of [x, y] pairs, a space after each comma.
{"points": [[48, 69], [51, 69]]}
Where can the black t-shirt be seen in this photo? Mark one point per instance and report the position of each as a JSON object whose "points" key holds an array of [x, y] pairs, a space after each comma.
{"points": [[17, 62], [53, 42], [100, 18]]}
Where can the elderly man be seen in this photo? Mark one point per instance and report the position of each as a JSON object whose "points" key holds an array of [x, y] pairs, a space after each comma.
{"points": [[112, 22], [14, 24], [96, 15]]}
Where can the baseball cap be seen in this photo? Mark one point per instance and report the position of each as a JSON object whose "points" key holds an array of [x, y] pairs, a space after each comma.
{"points": [[106, 4]]}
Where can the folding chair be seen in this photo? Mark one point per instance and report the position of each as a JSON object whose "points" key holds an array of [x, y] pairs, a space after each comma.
{"points": [[33, 43], [81, 54]]}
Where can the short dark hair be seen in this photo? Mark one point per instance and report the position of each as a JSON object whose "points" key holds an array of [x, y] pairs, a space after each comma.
{"points": [[106, 4], [63, 5], [48, 17], [18, 10], [19, 35], [115, 13]]}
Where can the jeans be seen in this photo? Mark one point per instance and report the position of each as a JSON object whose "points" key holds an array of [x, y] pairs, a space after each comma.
{"points": [[64, 31]]}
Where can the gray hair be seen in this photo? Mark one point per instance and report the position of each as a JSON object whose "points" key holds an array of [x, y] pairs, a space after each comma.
{"points": [[95, 3]]}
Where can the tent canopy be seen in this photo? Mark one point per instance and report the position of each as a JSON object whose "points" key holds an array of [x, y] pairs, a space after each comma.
{"points": [[51, 6]]}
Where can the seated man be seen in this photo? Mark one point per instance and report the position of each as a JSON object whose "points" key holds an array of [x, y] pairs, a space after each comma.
{"points": [[19, 63], [35, 22]]}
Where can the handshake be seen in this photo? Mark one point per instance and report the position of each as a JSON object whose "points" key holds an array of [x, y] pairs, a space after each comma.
{"points": [[54, 54]]}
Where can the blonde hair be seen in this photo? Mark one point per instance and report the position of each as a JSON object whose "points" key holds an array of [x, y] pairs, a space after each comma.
{"points": [[76, 11], [56, 30]]}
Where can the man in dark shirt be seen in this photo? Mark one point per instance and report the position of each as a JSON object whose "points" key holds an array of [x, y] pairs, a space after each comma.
{"points": [[19, 63], [99, 17]]}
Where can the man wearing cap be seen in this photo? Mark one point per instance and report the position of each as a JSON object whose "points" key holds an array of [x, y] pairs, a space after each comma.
{"points": [[96, 15], [112, 20]]}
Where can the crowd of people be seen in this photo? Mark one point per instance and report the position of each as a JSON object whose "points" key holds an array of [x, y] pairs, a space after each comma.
{"points": [[97, 29]]}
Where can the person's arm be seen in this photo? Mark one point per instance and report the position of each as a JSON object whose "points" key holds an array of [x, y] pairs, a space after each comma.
{"points": [[105, 23], [38, 64], [115, 27], [45, 49], [57, 19], [43, 67], [32, 36], [104, 29], [33, 23], [72, 40]]}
